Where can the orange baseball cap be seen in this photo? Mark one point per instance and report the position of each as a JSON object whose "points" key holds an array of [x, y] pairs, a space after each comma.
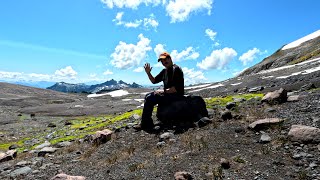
{"points": [[163, 56]]}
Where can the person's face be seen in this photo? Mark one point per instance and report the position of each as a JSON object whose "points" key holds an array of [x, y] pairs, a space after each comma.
{"points": [[166, 62]]}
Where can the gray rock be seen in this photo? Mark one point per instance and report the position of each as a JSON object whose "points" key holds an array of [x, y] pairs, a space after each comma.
{"points": [[255, 89], [47, 150], [64, 144], [67, 177], [293, 98], [21, 171], [265, 138], [7, 156], [231, 105], [166, 135], [226, 115], [46, 144], [182, 176]]}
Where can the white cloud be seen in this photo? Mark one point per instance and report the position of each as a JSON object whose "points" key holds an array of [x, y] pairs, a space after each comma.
{"points": [[10, 75], [218, 59], [159, 65], [127, 56], [188, 53], [66, 73], [133, 4], [179, 10], [147, 23], [159, 49], [139, 69], [212, 35], [249, 56], [107, 72], [193, 77]]}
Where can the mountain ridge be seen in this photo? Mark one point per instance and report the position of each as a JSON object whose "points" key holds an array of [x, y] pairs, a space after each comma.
{"points": [[97, 88]]}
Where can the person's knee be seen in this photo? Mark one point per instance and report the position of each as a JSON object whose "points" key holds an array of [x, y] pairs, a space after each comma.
{"points": [[149, 97]]}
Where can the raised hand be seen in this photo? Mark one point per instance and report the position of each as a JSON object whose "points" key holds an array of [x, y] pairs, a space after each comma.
{"points": [[147, 68]]}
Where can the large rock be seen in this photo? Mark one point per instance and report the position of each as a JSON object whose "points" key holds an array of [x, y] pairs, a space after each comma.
{"points": [[264, 123], [67, 177], [102, 136], [304, 134], [7, 156], [47, 150], [182, 176], [275, 97], [21, 172]]}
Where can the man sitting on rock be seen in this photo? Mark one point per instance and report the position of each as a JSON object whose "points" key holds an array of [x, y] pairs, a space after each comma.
{"points": [[173, 81]]}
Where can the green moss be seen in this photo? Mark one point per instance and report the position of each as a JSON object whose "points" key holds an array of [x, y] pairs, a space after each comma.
{"points": [[20, 143], [222, 101], [23, 117], [313, 54]]}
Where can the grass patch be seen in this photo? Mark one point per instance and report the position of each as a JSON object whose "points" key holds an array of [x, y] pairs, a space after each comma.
{"points": [[222, 101], [314, 53]]}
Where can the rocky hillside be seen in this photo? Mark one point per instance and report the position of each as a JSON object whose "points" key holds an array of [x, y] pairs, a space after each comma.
{"points": [[298, 51], [262, 125], [98, 88]]}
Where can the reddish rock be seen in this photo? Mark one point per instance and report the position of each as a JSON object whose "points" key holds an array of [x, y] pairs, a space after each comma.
{"points": [[67, 177], [182, 176], [102, 136], [275, 97], [304, 134], [263, 123], [7, 156]]}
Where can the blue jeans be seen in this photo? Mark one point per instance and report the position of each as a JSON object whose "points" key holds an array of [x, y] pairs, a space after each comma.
{"points": [[150, 100]]}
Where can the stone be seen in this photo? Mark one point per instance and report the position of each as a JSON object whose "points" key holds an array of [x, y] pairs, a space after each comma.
{"points": [[225, 164], [226, 115], [63, 176], [166, 135], [21, 172], [64, 144], [102, 136], [265, 138], [255, 89], [293, 98], [263, 123], [304, 134], [307, 87], [7, 156], [182, 176], [45, 144], [275, 97], [231, 105], [52, 125], [204, 121], [13, 146], [47, 150]]}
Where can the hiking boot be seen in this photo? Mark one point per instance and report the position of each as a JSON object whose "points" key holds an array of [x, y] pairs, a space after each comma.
{"points": [[139, 127]]}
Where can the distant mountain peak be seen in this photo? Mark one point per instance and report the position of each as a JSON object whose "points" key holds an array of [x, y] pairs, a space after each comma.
{"points": [[81, 87]]}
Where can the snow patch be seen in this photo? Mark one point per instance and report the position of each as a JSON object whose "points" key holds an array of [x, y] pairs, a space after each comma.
{"points": [[235, 84], [116, 93], [301, 40], [199, 86], [210, 87]]}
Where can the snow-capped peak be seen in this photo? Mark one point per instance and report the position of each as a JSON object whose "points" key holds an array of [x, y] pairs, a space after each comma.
{"points": [[301, 40]]}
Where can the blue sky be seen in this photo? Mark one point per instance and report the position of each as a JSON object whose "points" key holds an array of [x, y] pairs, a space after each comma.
{"points": [[98, 40]]}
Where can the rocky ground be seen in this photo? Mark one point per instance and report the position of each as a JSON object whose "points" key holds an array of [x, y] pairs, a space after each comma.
{"points": [[230, 147]]}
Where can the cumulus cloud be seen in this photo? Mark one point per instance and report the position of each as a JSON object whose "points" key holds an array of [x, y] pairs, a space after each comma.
{"points": [[107, 72], [63, 74], [211, 34], [249, 56], [188, 53], [66, 72], [178, 10], [147, 23], [139, 69], [133, 4], [159, 49], [127, 56], [218, 59], [193, 77]]}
